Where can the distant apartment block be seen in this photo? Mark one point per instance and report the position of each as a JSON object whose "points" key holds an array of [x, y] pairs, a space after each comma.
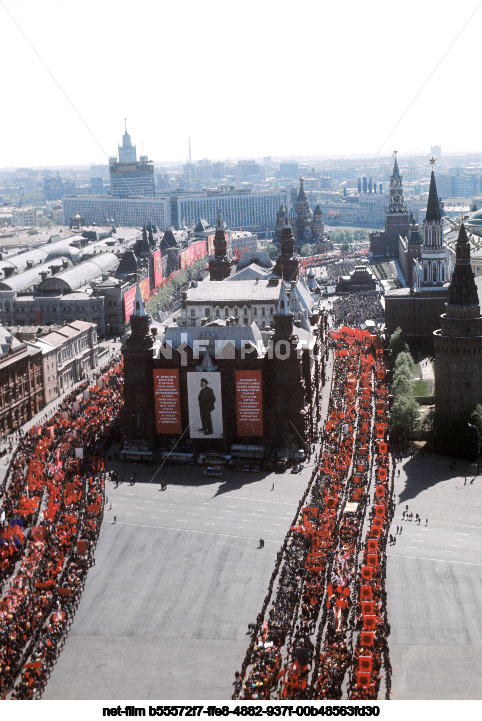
{"points": [[246, 211], [130, 212]]}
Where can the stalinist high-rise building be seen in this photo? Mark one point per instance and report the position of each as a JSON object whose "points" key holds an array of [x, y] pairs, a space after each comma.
{"points": [[130, 177]]}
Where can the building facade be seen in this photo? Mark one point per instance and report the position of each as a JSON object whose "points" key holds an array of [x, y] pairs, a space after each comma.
{"points": [[130, 212], [68, 354], [246, 211], [21, 382]]}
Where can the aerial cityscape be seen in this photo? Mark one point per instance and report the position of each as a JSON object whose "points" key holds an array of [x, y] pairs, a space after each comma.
{"points": [[240, 369]]}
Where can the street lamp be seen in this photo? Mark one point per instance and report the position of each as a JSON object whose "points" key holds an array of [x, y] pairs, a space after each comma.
{"points": [[471, 425]]}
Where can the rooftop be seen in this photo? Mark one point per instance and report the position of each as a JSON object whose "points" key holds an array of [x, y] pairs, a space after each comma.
{"points": [[243, 290]]}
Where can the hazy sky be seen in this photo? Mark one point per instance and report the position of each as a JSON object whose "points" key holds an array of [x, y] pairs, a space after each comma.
{"points": [[241, 79]]}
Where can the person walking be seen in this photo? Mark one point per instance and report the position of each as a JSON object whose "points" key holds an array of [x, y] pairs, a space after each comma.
{"points": [[115, 519], [261, 543]]}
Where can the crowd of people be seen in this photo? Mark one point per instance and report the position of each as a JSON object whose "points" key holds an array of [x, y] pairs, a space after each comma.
{"points": [[53, 499], [354, 309], [323, 626]]}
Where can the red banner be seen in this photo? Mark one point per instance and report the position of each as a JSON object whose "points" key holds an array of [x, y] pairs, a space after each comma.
{"points": [[129, 303], [194, 252], [145, 290], [156, 257], [249, 403], [167, 401]]}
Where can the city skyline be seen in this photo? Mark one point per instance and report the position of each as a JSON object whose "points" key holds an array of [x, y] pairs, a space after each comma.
{"points": [[273, 81]]}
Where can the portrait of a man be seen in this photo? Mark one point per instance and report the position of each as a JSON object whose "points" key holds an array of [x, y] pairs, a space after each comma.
{"points": [[206, 401], [205, 405]]}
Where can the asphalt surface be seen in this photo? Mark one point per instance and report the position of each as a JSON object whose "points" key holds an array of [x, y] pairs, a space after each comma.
{"points": [[177, 579], [179, 576], [434, 582]]}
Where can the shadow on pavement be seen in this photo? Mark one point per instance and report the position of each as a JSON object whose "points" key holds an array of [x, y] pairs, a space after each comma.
{"points": [[425, 471]]}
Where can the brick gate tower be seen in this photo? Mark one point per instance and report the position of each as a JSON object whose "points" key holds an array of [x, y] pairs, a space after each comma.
{"points": [[458, 343], [137, 415]]}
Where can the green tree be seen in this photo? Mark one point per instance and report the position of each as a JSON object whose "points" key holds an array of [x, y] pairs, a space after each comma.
{"points": [[272, 250], [45, 222], [306, 249], [404, 360], [476, 417], [401, 384], [398, 343], [404, 418]]}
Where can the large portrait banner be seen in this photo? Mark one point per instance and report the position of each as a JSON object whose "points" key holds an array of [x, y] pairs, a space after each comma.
{"points": [[249, 403], [205, 405], [167, 401]]}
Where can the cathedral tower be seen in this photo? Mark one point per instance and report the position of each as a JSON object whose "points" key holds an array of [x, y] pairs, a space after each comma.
{"points": [[303, 217], [317, 226]]}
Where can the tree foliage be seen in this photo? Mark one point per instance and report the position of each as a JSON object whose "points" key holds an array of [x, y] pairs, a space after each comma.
{"points": [[306, 249], [404, 417], [398, 344], [404, 360], [401, 384], [272, 250]]}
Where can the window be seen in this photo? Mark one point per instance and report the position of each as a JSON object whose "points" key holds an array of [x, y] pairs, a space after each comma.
{"points": [[207, 311], [193, 312], [263, 311], [255, 310]]}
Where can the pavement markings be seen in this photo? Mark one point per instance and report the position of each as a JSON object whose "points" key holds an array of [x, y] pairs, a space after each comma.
{"points": [[237, 498], [439, 560], [204, 533], [209, 524]]}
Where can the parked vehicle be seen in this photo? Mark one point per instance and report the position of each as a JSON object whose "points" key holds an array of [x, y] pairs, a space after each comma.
{"points": [[213, 471]]}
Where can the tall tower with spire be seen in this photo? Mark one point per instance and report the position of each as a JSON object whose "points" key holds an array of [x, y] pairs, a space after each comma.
{"points": [[127, 151], [397, 222], [287, 265], [137, 416], [130, 177], [219, 266], [304, 216], [317, 226], [432, 269], [281, 218], [458, 343], [286, 404]]}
